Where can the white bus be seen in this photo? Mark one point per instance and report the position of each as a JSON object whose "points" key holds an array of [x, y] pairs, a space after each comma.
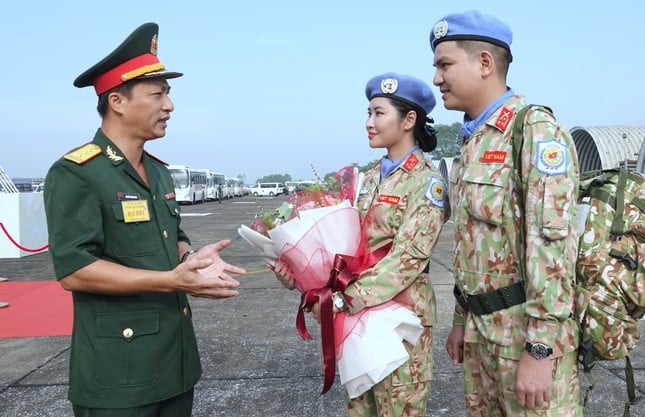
{"points": [[189, 184], [210, 187], [235, 185]]}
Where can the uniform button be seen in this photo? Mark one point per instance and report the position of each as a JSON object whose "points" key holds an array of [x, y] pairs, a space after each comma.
{"points": [[128, 333], [176, 211], [154, 198], [185, 310], [165, 234]]}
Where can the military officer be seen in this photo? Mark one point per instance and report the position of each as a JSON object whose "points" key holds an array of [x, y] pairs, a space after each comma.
{"points": [[516, 242], [116, 243]]}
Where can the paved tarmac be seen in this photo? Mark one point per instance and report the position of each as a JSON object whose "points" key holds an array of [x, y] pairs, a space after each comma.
{"points": [[254, 362]]}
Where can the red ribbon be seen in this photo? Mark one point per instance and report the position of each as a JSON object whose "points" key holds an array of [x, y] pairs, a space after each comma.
{"points": [[345, 271]]}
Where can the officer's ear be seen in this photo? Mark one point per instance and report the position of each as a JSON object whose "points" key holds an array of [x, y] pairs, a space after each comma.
{"points": [[115, 101]]}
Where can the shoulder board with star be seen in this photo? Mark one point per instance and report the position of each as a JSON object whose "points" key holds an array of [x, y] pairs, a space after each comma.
{"points": [[83, 154], [155, 158]]}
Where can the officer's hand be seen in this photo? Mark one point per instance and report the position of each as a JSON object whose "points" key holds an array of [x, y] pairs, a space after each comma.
{"points": [[455, 344], [283, 274], [207, 273], [533, 381]]}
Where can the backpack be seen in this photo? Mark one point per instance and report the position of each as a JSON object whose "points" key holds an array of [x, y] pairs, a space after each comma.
{"points": [[610, 268]]}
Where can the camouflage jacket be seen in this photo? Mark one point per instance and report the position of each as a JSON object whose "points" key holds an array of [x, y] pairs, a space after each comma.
{"points": [[488, 218], [406, 210]]}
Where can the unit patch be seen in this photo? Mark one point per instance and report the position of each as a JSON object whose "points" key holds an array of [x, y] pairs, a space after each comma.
{"points": [[436, 192], [551, 157], [84, 153]]}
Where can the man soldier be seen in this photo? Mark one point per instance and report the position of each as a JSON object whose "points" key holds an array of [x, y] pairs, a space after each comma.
{"points": [[116, 243], [515, 232]]}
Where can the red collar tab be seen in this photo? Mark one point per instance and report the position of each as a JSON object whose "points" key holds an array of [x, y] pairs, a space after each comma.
{"points": [[133, 68], [504, 118], [155, 158], [493, 156], [411, 162]]}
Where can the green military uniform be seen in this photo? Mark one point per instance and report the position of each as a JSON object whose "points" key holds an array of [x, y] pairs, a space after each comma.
{"points": [[138, 348], [127, 350]]}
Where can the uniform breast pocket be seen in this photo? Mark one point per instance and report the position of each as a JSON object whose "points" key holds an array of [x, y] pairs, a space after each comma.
{"points": [[484, 191], [127, 349], [131, 239]]}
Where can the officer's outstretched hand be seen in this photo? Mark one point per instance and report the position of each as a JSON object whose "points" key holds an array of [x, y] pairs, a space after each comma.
{"points": [[208, 274]]}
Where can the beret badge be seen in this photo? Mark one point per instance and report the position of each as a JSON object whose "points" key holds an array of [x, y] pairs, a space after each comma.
{"points": [[389, 86], [440, 29]]}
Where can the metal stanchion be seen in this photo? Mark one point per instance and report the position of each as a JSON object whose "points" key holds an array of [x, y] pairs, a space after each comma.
{"points": [[4, 303]]}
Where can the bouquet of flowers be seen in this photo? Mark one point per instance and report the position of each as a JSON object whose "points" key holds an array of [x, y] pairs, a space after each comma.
{"points": [[318, 234]]}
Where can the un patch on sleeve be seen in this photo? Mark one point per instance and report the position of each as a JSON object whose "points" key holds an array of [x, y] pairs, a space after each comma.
{"points": [[551, 157], [436, 192]]}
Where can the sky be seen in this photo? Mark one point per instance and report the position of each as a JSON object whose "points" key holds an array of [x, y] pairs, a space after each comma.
{"points": [[277, 87]]}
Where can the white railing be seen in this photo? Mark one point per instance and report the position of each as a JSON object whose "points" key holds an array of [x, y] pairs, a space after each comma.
{"points": [[6, 185]]}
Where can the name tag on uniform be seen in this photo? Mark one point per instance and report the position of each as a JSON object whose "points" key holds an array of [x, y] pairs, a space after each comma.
{"points": [[389, 199], [135, 211]]}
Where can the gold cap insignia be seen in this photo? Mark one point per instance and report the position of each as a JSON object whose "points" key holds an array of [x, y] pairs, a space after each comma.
{"points": [[153, 45]]}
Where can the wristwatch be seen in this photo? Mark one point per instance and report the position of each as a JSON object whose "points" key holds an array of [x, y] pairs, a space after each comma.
{"points": [[538, 350], [185, 256], [339, 300]]}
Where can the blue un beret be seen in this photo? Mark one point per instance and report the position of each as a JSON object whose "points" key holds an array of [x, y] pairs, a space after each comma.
{"points": [[474, 26], [401, 87]]}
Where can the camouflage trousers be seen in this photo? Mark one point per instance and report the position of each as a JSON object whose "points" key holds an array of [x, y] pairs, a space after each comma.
{"points": [[489, 385], [403, 393]]}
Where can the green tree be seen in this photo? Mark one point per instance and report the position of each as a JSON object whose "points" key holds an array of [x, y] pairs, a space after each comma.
{"points": [[275, 178], [448, 140]]}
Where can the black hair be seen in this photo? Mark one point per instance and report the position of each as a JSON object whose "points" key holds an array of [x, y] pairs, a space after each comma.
{"points": [[424, 133], [125, 89]]}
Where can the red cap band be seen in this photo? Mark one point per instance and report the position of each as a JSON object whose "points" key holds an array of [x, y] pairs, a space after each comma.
{"points": [[119, 74]]}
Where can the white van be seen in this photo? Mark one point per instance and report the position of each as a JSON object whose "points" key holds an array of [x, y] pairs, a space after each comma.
{"points": [[267, 189]]}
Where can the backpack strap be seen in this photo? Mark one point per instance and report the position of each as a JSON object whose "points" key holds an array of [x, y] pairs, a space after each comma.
{"points": [[517, 143], [618, 225]]}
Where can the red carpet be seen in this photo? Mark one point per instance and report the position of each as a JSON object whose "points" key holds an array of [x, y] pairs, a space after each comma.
{"points": [[36, 308]]}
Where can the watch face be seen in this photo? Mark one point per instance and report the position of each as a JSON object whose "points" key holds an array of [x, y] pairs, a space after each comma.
{"points": [[339, 302], [539, 350]]}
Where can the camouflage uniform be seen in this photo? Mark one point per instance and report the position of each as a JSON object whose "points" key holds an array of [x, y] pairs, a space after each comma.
{"points": [[484, 186], [405, 209]]}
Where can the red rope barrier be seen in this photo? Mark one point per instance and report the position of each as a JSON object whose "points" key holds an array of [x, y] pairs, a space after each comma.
{"points": [[16, 244]]}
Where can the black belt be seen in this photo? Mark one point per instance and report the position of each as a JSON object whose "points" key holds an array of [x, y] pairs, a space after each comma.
{"points": [[490, 302]]}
